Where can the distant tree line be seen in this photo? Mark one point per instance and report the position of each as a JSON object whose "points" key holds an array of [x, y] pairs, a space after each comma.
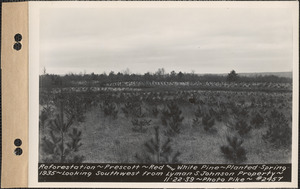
{"points": [[101, 79]]}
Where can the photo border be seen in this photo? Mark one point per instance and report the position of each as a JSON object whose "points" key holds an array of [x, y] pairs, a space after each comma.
{"points": [[34, 11]]}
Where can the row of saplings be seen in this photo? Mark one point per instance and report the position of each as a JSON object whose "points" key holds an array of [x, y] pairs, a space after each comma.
{"points": [[159, 149], [62, 141]]}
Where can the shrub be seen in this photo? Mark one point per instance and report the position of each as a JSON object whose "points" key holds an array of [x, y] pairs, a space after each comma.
{"points": [[233, 151]]}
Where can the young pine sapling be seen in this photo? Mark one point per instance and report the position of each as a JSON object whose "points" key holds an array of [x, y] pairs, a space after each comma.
{"points": [[158, 151], [234, 151]]}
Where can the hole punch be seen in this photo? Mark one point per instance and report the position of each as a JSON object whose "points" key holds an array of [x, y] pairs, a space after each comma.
{"points": [[18, 37], [18, 151], [17, 46], [18, 142]]}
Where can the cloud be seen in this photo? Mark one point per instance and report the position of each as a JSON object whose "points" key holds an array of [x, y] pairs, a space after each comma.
{"points": [[204, 40]]}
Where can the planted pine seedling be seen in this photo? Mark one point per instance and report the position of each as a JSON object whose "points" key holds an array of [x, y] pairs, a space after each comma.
{"points": [[208, 122], [61, 145], [110, 110], [172, 119], [257, 120], [242, 127], [50, 147], [196, 122], [155, 111], [158, 150], [279, 132], [233, 151], [43, 118], [199, 112], [75, 137], [74, 107], [198, 115], [130, 108], [140, 125]]}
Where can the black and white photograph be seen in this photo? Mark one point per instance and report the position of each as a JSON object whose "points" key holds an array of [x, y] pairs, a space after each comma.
{"points": [[166, 85]]}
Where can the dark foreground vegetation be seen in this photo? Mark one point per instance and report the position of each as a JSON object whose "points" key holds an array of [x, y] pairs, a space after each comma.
{"points": [[165, 118]]}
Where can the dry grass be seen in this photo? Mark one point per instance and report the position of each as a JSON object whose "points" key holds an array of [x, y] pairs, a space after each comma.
{"points": [[106, 140]]}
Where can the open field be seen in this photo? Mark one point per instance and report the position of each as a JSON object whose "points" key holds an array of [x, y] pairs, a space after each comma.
{"points": [[167, 124]]}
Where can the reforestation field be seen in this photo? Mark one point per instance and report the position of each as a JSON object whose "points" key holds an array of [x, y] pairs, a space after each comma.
{"points": [[160, 119]]}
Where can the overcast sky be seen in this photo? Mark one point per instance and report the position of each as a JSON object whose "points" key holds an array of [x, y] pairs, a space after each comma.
{"points": [[201, 40]]}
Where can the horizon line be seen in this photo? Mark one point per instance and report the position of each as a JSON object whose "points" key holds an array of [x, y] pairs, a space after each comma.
{"points": [[167, 73]]}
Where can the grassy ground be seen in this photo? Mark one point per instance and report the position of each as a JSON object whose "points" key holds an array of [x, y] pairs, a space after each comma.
{"points": [[107, 140]]}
